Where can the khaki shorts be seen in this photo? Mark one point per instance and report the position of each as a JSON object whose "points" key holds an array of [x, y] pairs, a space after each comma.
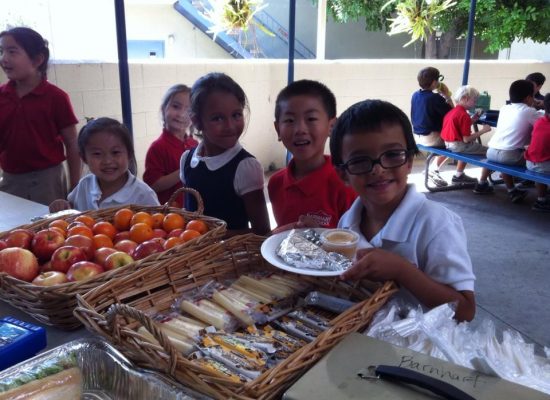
{"points": [[542, 167], [42, 186], [433, 140], [510, 157], [467, 148]]}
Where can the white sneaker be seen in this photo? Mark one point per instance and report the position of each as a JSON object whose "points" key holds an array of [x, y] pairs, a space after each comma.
{"points": [[437, 179]]}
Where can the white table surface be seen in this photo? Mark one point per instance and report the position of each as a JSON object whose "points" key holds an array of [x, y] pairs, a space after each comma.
{"points": [[16, 211]]}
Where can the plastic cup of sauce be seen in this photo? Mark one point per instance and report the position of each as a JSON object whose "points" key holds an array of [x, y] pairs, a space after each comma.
{"points": [[341, 241]]}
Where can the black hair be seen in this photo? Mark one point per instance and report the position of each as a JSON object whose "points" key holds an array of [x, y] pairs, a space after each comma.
{"points": [[33, 43], [426, 76], [306, 87], [536, 77], [208, 84], [114, 127], [546, 102], [368, 116], [521, 89]]}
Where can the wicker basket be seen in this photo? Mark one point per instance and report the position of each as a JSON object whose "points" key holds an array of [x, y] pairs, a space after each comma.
{"points": [[54, 305], [117, 308]]}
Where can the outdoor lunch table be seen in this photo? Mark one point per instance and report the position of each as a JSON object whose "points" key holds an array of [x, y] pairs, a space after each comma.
{"points": [[16, 211]]}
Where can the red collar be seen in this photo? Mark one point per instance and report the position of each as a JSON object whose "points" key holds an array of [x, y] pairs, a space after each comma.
{"points": [[39, 90], [308, 189]]}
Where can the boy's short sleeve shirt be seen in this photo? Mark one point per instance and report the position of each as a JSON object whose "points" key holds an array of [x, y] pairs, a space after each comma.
{"points": [[427, 111], [321, 195], [539, 148], [456, 125], [426, 234], [86, 195], [30, 127], [515, 122]]}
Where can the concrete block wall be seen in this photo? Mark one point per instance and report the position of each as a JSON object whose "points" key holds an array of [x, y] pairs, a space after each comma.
{"points": [[95, 91]]}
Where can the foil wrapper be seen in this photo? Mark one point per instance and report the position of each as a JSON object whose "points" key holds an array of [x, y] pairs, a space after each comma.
{"points": [[107, 374], [299, 250]]}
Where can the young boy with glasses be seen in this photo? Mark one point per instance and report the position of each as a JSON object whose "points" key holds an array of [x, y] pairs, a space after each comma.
{"points": [[404, 237]]}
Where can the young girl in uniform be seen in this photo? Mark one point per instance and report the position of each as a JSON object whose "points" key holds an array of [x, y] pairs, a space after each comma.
{"points": [[163, 157], [229, 179], [37, 122], [106, 147], [404, 237]]}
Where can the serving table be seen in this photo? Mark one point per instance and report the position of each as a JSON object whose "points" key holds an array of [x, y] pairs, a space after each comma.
{"points": [[16, 211]]}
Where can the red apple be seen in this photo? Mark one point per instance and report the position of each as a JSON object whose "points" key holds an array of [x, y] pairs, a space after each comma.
{"points": [[84, 270], [147, 248], [128, 246], [101, 255], [20, 238], [84, 242], [45, 242], [3, 244], [47, 266], [50, 278], [159, 233], [117, 260], [175, 233], [19, 263], [159, 240], [124, 235], [65, 256]]}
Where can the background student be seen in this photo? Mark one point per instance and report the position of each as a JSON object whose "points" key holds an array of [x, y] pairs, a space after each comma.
{"points": [[538, 80], [308, 188], [403, 236], [37, 122], [106, 147], [229, 179], [162, 161]]}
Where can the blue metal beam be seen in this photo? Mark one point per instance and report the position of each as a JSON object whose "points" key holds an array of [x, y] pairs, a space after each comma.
{"points": [[469, 40], [123, 72]]}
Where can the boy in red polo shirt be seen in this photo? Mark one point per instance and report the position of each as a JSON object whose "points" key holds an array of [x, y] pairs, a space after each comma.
{"points": [[37, 122], [309, 187], [537, 155]]}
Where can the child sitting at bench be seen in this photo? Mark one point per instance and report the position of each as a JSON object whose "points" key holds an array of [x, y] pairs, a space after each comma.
{"points": [[513, 132], [538, 155], [458, 136]]}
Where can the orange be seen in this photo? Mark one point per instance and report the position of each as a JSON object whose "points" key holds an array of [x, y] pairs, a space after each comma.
{"points": [[157, 220], [173, 221], [122, 219], [142, 217], [105, 228], [58, 229], [197, 225], [75, 223], [59, 223], [102, 240], [189, 234], [80, 230], [141, 232], [86, 220], [173, 241]]}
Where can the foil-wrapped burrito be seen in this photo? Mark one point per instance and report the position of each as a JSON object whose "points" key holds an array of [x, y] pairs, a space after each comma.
{"points": [[299, 250]]}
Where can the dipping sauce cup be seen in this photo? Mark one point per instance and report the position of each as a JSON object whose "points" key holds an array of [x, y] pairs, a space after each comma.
{"points": [[341, 241]]}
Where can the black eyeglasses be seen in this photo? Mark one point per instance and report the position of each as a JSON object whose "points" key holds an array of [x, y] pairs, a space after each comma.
{"points": [[388, 159], [440, 78]]}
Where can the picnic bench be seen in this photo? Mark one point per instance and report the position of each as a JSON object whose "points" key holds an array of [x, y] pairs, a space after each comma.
{"points": [[480, 161]]}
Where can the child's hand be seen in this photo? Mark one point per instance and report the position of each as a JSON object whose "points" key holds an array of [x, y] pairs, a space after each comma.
{"points": [[376, 265], [59, 205], [305, 221]]}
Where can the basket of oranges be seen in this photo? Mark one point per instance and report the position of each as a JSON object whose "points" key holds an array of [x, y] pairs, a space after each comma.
{"points": [[47, 263]]}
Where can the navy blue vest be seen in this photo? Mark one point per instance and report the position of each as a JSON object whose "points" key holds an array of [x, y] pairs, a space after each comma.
{"points": [[217, 190]]}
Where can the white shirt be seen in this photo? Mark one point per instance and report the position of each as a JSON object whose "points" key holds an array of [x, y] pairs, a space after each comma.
{"points": [[426, 234], [86, 195], [514, 126], [249, 175]]}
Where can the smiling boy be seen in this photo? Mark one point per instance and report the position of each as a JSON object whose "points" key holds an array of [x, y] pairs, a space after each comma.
{"points": [[308, 188]]}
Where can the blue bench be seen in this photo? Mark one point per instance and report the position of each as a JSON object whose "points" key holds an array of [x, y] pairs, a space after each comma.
{"points": [[480, 161]]}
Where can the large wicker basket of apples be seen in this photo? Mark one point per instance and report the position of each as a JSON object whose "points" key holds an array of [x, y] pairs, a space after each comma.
{"points": [[44, 265]]}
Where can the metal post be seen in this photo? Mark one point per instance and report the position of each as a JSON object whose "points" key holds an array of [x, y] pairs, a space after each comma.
{"points": [[123, 73], [469, 41], [291, 37], [321, 29]]}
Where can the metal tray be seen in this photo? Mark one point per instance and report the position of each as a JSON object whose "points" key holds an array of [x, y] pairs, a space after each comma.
{"points": [[107, 374]]}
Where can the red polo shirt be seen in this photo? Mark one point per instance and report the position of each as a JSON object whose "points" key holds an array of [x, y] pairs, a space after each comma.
{"points": [[163, 158], [539, 148], [321, 195], [456, 124], [30, 127]]}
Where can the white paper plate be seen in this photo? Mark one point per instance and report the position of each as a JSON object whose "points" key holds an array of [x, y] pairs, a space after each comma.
{"points": [[269, 252]]}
